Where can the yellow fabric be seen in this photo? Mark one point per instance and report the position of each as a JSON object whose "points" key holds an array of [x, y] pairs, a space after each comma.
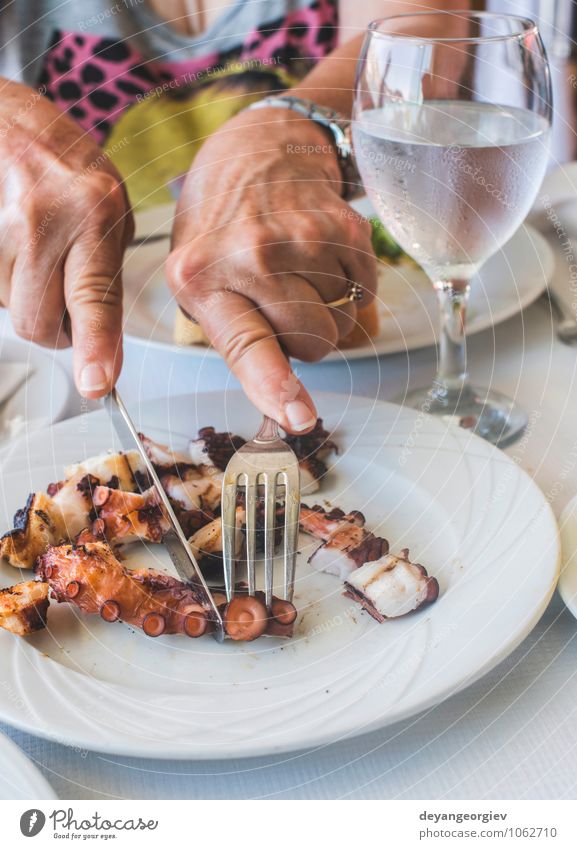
{"points": [[154, 141]]}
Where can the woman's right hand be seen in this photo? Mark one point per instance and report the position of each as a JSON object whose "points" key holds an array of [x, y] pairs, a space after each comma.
{"points": [[65, 222]]}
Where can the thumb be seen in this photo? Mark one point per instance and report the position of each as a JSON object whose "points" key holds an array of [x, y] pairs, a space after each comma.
{"points": [[93, 295], [246, 340]]}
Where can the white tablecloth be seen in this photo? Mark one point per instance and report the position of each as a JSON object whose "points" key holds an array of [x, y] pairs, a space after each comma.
{"points": [[513, 734]]}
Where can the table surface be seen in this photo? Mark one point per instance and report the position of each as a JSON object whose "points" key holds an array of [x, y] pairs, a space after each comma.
{"points": [[513, 734]]}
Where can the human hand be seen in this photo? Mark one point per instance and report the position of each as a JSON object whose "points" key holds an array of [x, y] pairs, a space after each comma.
{"points": [[261, 241], [66, 221]]}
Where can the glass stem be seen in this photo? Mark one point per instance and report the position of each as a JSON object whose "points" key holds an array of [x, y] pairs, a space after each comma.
{"points": [[451, 379]]}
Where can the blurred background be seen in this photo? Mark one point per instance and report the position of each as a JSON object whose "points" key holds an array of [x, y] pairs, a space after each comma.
{"points": [[557, 21]]}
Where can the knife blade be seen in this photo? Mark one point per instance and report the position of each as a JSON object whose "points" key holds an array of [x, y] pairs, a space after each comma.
{"points": [[174, 539]]}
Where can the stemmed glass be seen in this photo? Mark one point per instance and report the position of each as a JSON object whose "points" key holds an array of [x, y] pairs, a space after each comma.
{"points": [[450, 127]]}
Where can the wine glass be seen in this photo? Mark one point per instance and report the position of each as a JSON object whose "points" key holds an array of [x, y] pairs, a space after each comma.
{"points": [[451, 121]]}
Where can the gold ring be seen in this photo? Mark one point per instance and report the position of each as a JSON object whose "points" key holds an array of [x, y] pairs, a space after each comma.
{"points": [[354, 293]]}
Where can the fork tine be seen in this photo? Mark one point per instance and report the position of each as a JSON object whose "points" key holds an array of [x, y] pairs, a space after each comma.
{"points": [[291, 528], [251, 495], [228, 514], [269, 533]]}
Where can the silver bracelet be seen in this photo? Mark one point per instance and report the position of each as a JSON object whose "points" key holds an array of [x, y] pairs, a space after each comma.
{"points": [[338, 126]]}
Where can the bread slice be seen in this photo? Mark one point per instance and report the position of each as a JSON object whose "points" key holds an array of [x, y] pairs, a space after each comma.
{"points": [[186, 332], [366, 328]]}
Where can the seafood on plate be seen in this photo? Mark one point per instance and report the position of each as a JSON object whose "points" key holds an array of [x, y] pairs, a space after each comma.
{"points": [[23, 607], [312, 451], [385, 585], [91, 577], [73, 535], [391, 586]]}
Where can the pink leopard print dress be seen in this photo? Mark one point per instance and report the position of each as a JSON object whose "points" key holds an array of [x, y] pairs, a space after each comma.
{"points": [[96, 77]]}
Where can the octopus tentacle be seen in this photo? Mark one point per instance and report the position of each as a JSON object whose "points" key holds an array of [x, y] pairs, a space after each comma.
{"points": [[92, 578], [312, 451], [391, 586], [214, 449], [322, 524]]}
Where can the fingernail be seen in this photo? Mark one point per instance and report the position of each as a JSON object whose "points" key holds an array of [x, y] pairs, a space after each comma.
{"points": [[300, 416], [93, 378]]}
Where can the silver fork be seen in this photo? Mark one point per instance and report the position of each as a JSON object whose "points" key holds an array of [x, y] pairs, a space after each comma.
{"points": [[566, 328], [265, 464]]}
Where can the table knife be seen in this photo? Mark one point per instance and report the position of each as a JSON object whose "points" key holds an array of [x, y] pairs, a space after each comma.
{"points": [[174, 539]]}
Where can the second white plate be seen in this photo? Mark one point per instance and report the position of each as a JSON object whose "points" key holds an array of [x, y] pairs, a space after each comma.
{"points": [[508, 283], [19, 778]]}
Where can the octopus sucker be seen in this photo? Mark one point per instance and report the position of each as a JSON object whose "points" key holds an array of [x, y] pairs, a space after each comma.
{"points": [[128, 516], [23, 607]]}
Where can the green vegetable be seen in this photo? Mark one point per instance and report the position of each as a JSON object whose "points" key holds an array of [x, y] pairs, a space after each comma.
{"points": [[384, 245]]}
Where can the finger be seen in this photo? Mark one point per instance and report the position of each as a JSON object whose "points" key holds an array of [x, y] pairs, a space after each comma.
{"points": [[345, 245], [93, 294], [6, 266], [349, 258], [36, 300], [360, 265], [242, 335], [298, 315], [328, 279]]}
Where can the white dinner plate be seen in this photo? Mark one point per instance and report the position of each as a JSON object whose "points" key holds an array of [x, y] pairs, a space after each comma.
{"points": [[556, 203], [568, 576], [41, 399], [19, 778], [509, 282], [465, 510]]}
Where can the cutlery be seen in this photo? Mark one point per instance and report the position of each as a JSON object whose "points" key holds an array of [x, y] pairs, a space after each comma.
{"points": [[12, 377], [174, 539], [148, 240], [568, 578], [566, 327], [265, 470]]}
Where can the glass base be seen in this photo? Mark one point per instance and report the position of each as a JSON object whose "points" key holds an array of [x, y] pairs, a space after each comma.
{"points": [[488, 414]]}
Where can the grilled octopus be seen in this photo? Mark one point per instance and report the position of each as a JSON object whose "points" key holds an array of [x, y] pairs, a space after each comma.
{"points": [[385, 585], [92, 578], [108, 494], [23, 607], [391, 586], [89, 576], [107, 500]]}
